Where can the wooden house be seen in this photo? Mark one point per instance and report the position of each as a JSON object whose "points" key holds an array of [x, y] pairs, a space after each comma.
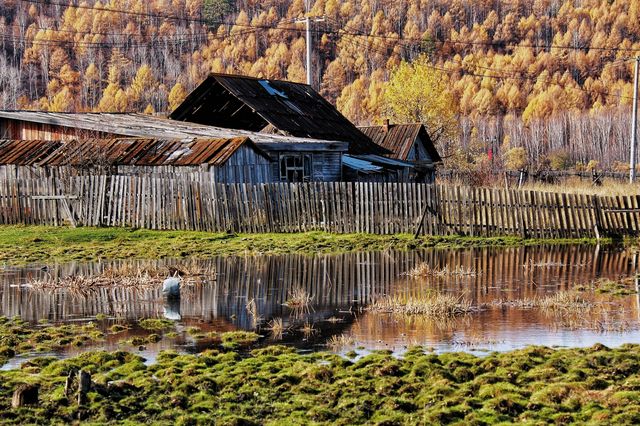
{"points": [[311, 159], [407, 143], [288, 109], [236, 160]]}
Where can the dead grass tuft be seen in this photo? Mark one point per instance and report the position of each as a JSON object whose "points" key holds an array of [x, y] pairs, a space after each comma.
{"points": [[340, 341], [433, 306], [426, 270], [276, 327]]}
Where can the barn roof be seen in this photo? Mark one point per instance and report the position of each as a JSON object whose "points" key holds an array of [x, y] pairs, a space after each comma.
{"points": [[26, 153], [134, 152], [399, 138], [147, 126], [276, 106]]}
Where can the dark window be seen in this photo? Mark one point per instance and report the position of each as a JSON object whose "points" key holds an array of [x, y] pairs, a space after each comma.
{"points": [[295, 168]]}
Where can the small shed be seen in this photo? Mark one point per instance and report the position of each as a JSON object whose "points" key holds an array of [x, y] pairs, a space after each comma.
{"points": [[236, 160], [409, 143]]}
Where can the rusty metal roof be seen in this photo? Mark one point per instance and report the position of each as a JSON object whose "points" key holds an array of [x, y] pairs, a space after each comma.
{"points": [[146, 126], [399, 138], [278, 107], [25, 153], [127, 151]]}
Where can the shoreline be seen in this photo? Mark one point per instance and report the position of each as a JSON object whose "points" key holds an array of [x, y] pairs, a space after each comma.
{"points": [[20, 245]]}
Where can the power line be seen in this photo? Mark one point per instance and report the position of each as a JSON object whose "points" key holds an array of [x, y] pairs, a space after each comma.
{"points": [[501, 76], [512, 43], [502, 44]]}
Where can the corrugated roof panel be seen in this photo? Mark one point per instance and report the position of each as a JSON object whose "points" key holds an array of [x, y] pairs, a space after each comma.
{"points": [[360, 165], [25, 152], [131, 125], [127, 151]]}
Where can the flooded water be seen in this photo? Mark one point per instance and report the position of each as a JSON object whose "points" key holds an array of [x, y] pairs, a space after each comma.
{"points": [[341, 288]]}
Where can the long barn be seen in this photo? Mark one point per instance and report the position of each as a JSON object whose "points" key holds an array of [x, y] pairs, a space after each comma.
{"points": [[306, 160], [236, 160]]}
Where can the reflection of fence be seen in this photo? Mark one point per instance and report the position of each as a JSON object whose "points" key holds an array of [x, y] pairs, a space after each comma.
{"points": [[335, 282], [196, 203]]}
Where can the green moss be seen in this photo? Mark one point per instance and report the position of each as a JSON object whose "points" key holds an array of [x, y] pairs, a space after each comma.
{"points": [[615, 288], [276, 385], [238, 339], [117, 328], [23, 244], [157, 324]]}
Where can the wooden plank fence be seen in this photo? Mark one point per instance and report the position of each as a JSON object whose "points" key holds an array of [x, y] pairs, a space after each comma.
{"points": [[194, 202]]}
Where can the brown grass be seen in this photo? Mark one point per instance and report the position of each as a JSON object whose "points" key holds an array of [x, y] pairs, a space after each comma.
{"points": [[308, 330], [276, 327], [140, 280], [436, 306], [298, 299], [426, 270], [252, 310], [340, 341], [577, 186]]}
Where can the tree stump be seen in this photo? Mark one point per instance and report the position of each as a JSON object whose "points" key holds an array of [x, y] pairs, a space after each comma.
{"points": [[84, 385], [25, 395], [68, 384]]}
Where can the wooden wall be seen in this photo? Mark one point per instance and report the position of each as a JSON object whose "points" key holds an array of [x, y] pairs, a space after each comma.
{"points": [[326, 165], [25, 130]]}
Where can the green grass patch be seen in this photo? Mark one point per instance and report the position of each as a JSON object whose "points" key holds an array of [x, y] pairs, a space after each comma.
{"points": [[24, 244]]}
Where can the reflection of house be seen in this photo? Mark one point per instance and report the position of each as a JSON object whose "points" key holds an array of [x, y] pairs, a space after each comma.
{"points": [[290, 109], [227, 160], [407, 142]]}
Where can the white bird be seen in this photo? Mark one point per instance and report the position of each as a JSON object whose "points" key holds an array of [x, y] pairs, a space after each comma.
{"points": [[171, 287]]}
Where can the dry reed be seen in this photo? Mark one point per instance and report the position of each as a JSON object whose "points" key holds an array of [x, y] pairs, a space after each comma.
{"points": [[340, 341], [431, 305], [252, 310], [276, 327], [426, 270], [308, 330], [298, 298], [576, 186], [128, 277]]}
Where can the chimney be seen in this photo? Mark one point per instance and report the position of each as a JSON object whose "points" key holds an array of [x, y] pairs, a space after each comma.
{"points": [[386, 125]]}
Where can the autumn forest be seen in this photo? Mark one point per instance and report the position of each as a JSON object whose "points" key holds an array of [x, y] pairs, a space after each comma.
{"points": [[538, 83]]}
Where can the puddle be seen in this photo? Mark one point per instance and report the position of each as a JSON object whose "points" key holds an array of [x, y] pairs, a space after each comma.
{"points": [[341, 287]]}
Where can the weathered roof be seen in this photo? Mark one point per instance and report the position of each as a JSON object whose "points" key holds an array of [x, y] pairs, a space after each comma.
{"points": [[399, 138], [360, 165], [26, 153], [273, 106], [146, 126], [127, 151]]}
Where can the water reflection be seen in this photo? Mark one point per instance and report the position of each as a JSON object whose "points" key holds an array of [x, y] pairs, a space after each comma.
{"points": [[342, 284]]}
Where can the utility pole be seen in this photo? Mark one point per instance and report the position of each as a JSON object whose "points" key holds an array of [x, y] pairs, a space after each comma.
{"points": [[634, 124], [309, 67]]}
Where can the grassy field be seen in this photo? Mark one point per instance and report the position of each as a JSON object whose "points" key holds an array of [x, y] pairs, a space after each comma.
{"points": [[275, 385], [577, 186], [23, 244]]}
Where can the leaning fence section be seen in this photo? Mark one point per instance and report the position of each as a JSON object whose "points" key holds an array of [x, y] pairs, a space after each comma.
{"points": [[195, 202]]}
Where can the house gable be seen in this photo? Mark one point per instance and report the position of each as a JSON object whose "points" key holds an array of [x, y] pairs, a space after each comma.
{"points": [[283, 107]]}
